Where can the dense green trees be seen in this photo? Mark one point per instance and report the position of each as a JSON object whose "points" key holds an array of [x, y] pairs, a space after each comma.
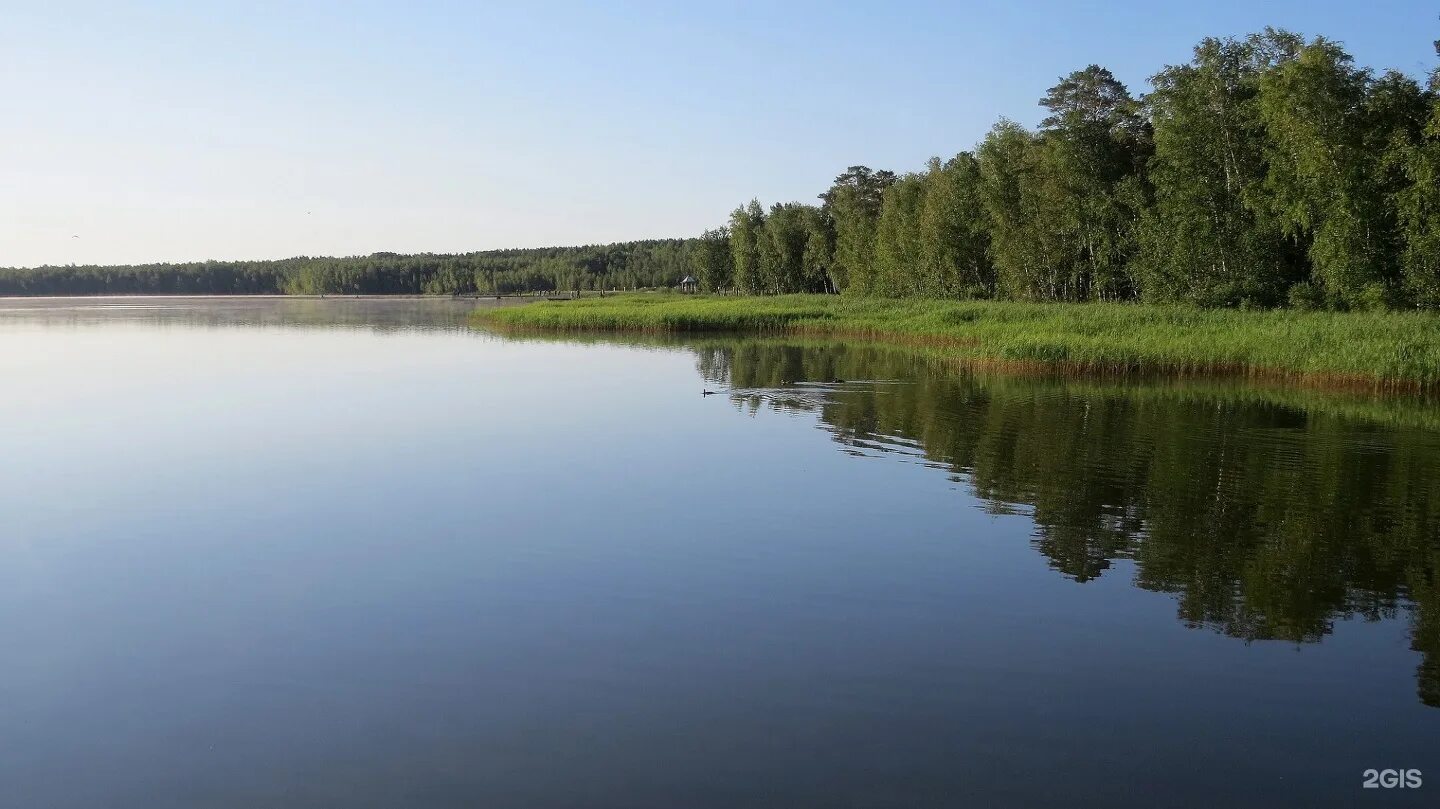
{"points": [[1202, 240], [1095, 146], [896, 267], [1418, 205], [788, 249], [782, 248], [710, 260], [1025, 250], [920, 234], [626, 265], [853, 206], [747, 228], [954, 231], [1319, 179], [1266, 171]]}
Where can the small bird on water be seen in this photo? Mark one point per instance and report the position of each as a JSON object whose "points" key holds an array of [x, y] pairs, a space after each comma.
{"points": [[704, 392]]}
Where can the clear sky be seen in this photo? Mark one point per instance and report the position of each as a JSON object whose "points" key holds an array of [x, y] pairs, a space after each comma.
{"points": [[189, 130]]}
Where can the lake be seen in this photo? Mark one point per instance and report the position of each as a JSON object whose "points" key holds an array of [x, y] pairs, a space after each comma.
{"points": [[311, 553]]}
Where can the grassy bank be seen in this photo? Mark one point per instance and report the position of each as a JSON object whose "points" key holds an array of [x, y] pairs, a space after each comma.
{"points": [[1379, 350]]}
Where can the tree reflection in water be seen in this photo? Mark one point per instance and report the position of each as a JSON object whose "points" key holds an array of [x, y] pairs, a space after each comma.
{"points": [[1266, 519]]}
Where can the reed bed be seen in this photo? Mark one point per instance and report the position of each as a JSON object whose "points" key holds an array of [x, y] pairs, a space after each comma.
{"points": [[1376, 350]]}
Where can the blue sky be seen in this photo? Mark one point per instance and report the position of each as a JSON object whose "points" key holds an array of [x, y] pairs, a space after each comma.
{"points": [[193, 130]]}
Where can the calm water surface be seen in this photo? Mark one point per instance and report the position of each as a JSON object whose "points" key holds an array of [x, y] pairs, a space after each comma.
{"points": [[350, 553]]}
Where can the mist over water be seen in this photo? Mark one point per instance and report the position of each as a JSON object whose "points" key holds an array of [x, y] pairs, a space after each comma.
{"points": [[316, 553]]}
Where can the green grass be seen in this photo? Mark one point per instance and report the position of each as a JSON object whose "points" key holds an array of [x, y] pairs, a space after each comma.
{"points": [[1371, 349]]}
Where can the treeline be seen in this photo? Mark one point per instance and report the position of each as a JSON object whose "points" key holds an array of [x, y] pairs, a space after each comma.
{"points": [[626, 265], [1267, 171]]}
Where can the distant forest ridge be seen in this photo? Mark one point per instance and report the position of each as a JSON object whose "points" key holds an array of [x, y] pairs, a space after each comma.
{"points": [[1266, 171], [624, 265]]}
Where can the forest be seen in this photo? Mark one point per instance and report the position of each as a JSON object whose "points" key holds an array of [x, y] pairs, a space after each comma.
{"points": [[1266, 171], [626, 265]]}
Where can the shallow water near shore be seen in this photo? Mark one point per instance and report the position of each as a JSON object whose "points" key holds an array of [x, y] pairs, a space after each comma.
{"points": [[353, 552]]}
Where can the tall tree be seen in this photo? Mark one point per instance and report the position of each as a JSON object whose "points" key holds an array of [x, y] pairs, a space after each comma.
{"points": [[853, 205], [1320, 184], [898, 267], [1395, 111], [1418, 207], [1097, 144], [712, 262], [820, 252], [789, 261], [747, 226], [1031, 227], [954, 231], [1202, 240]]}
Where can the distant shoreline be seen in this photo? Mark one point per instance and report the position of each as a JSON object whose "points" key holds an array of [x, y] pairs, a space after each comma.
{"points": [[275, 296]]}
